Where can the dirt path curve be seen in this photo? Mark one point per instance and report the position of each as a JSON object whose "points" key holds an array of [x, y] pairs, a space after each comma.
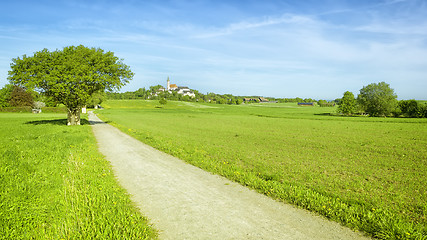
{"points": [[185, 202]]}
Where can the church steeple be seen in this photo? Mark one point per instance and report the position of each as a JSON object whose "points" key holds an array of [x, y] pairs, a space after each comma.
{"points": [[169, 84]]}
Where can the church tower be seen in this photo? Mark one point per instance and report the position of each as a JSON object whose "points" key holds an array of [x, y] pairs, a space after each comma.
{"points": [[169, 84]]}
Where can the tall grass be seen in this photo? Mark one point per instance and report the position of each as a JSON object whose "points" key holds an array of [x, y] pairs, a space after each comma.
{"points": [[367, 173], [54, 184]]}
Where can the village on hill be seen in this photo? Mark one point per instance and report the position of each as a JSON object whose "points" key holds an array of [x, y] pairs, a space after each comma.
{"points": [[174, 92], [184, 91]]}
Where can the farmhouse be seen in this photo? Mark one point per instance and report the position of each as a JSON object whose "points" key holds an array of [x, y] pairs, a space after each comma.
{"points": [[261, 99]]}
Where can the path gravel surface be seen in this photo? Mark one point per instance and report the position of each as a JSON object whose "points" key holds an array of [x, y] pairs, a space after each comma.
{"points": [[185, 202]]}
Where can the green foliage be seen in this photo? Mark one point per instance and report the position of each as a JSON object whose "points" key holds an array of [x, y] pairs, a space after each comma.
{"points": [[348, 104], [377, 99], [155, 88], [411, 108], [5, 95], [423, 110], [288, 100], [324, 103], [221, 101], [54, 184], [309, 100], [55, 110], [71, 75], [370, 174], [19, 97], [49, 101], [163, 101], [154, 94], [26, 109], [96, 99]]}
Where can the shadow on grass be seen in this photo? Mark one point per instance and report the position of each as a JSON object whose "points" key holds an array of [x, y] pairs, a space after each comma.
{"points": [[98, 122], [339, 115], [56, 122], [323, 114]]}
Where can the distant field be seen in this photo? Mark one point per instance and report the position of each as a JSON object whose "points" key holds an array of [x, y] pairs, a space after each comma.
{"points": [[367, 173], [54, 184]]}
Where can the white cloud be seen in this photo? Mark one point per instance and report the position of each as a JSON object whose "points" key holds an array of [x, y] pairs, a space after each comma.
{"points": [[395, 29], [266, 21]]}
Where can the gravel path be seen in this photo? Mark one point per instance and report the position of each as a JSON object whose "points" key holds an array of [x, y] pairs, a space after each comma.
{"points": [[185, 202]]}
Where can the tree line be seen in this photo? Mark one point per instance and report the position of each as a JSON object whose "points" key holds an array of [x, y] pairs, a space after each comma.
{"points": [[153, 93], [376, 99], [379, 100]]}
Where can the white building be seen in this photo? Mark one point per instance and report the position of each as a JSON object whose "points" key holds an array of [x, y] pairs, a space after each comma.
{"points": [[185, 91]]}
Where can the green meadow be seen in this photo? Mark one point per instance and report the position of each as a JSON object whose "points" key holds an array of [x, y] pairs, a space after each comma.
{"points": [[367, 173], [54, 184]]}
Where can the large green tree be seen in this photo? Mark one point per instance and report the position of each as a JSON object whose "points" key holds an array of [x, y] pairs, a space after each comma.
{"points": [[70, 75], [347, 104], [377, 99]]}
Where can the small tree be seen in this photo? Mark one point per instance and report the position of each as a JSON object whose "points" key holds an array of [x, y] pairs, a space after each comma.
{"points": [[377, 99], [19, 97], [71, 75], [348, 104], [163, 101]]}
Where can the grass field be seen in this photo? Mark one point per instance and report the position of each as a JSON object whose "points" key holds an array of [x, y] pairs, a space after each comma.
{"points": [[54, 184], [367, 173]]}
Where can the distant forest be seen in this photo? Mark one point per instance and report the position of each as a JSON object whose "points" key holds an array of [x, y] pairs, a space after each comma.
{"points": [[153, 93]]}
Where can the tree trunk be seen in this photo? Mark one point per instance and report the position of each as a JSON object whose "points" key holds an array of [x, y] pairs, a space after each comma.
{"points": [[73, 116]]}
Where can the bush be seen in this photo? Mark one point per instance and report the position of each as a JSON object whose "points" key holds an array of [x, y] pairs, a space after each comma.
{"points": [[163, 101], [411, 108]]}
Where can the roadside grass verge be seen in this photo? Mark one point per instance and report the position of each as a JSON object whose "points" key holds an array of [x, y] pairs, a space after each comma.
{"points": [[367, 173], [54, 184]]}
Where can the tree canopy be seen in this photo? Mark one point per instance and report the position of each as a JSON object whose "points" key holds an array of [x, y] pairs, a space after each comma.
{"points": [[377, 99], [347, 104], [71, 75], [411, 108]]}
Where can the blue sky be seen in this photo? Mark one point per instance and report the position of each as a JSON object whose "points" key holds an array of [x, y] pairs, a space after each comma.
{"points": [[317, 49]]}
